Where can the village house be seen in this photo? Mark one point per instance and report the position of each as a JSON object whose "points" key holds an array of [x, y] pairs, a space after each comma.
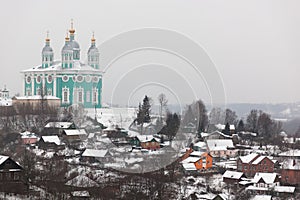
{"points": [[232, 177], [253, 163], [200, 146], [74, 135], [231, 128], [265, 179], [205, 161], [52, 128], [11, 176], [221, 148], [50, 142], [95, 155], [28, 138], [290, 172], [215, 135], [145, 142], [268, 183]]}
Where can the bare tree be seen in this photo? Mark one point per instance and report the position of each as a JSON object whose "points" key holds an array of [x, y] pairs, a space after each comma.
{"points": [[230, 117], [217, 116], [252, 120], [162, 104]]}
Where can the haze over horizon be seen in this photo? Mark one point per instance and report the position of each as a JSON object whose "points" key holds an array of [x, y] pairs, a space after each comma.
{"points": [[254, 45]]}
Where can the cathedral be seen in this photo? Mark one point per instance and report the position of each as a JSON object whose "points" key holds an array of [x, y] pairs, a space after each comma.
{"points": [[71, 80]]}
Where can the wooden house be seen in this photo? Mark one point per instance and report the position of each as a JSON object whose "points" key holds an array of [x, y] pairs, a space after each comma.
{"points": [[74, 135], [148, 142], [205, 161], [232, 177], [11, 176], [50, 142]]}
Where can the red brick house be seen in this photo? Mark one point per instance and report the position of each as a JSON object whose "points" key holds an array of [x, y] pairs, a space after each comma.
{"points": [[253, 163], [290, 172]]}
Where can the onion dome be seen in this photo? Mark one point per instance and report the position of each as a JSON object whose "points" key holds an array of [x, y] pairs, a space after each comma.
{"points": [[93, 48], [47, 48]]}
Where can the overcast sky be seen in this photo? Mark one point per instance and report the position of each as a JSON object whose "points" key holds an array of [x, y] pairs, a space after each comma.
{"points": [[254, 44]]}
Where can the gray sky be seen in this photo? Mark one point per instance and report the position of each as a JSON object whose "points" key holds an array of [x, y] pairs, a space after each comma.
{"points": [[254, 44]]}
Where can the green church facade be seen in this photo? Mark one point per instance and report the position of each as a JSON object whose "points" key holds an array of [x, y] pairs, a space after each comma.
{"points": [[72, 81]]}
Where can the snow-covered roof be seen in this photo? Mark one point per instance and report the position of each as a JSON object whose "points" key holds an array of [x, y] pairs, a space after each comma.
{"points": [[219, 144], [223, 196], [248, 158], [28, 134], [80, 193], [293, 164], [190, 160], [291, 153], [72, 132], [82, 181], [51, 139], [285, 189], [77, 66], [268, 178], [222, 126], [200, 144], [262, 197], [94, 153], [189, 166], [36, 97], [280, 189], [146, 138], [63, 125], [258, 160], [3, 159], [233, 174]]}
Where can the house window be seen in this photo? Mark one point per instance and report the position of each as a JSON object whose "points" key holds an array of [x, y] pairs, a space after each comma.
{"points": [[38, 91], [28, 91], [80, 95], [49, 92], [38, 79], [65, 96], [16, 176], [8, 176], [28, 79], [95, 96]]}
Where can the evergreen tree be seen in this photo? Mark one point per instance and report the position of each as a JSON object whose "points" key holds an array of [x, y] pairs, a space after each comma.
{"points": [[146, 109], [241, 126], [202, 116], [227, 129]]}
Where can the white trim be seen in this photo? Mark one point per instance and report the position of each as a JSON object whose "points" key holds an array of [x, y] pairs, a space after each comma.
{"points": [[62, 78], [65, 89]]}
